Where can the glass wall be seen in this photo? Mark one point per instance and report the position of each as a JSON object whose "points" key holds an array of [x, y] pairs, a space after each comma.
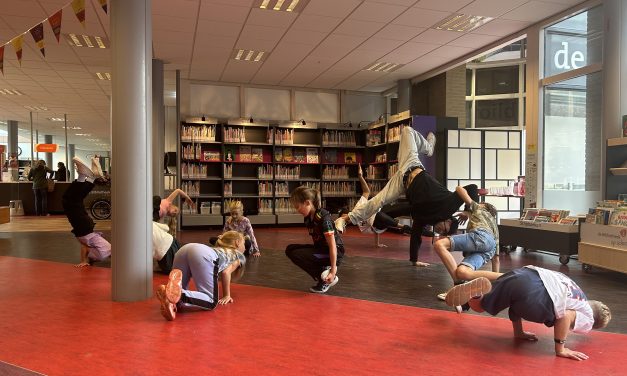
{"points": [[573, 113]]}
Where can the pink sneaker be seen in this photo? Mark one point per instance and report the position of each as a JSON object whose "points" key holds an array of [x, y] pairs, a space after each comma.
{"points": [[461, 294], [168, 309], [174, 286]]}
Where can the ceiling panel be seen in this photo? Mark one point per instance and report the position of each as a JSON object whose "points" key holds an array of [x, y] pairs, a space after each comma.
{"points": [[316, 23], [358, 28], [336, 46], [408, 52], [330, 8], [308, 70], [394, 2], [357, 60], [534, 11], [447, 5], [270, 18], [239, 71], [304, 36], [381, 46], [501, 28], [222, 13], [451, 52], [226, 29], [170, 23], [377, 12], [331, 78], [437, 36], [491, 8], [399, 32], [256, 32], [473, 41], [213, 42], [181, 8], [421, 17]]}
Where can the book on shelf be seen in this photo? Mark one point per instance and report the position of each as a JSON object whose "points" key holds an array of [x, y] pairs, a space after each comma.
{"points": [[569, 220], [245, 154], [619, 217], [330, 155], [312, 155], [542, 219], [529, 214], [256, 154], [350, 157], [299, 155], [278, 154], [287, 155], [211, 156]]}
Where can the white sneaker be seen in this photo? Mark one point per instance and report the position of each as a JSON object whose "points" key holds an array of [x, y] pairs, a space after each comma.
{"points": [[322, 287], [340, 224], [431, 141], [82, 169], [95, 167], [442, 296]]}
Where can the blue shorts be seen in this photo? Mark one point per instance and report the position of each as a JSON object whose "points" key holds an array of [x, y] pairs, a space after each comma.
{"points": [[477, 246]]}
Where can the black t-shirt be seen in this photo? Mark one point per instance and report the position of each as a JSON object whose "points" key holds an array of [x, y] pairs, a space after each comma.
{"points": [[431, 201], [322, 224]]}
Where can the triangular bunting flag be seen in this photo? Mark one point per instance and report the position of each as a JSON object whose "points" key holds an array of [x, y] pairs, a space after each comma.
{"points": [[79, 10], [103, 4], [38, 35], [55, 24], [2, 60], [17, 46]]}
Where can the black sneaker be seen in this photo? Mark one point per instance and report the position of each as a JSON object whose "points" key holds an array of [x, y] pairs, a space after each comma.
{"points": [[322, 287]]}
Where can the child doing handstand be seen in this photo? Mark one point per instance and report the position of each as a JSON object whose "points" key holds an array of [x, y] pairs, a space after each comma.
{"points": [[205, 265], [327, 250], [538, 295]]}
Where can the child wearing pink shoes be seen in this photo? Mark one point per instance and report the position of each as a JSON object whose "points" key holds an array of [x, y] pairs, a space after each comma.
{"points": [[205, 265], [538, 295]]}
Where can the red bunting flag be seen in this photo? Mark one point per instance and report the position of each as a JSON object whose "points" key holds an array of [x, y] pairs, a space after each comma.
{"points": [[55, 24], [103, 4], [17, 46], [2, 60], [38, 35], [79, 10]]}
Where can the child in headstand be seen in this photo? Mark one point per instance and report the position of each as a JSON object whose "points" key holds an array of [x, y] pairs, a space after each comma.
{"points": [[378, 223], [327, 250], [538, 295], [479, 244], [93, 246], [237, 222], [205, 265]]}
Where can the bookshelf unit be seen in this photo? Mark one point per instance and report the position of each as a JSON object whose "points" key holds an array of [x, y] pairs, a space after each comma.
{"points": [[616, 162]]}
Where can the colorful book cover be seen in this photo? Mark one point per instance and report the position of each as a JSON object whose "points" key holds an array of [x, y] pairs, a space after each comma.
{"points": [[245, 154], [312, 155], [542, 219], [530, 214], [228, 155], [299, 155], [257, 154], [569, 221], [330, 156], [349, 157], [287, 155], [278, 154], [619, 217]]}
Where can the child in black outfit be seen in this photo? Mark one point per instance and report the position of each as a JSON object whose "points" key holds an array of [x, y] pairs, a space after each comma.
{"points": [[320, 259]]}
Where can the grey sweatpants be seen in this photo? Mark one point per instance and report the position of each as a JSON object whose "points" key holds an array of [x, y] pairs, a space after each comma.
{"points": [[199, 262]]}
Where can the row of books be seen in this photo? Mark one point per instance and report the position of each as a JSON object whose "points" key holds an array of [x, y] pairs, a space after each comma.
{"points": [[265, 206], [375, 172], [296, 155], [246, 154], [608, 212], [549, 215], [191, 133], [284, 206], [339, 188], [381, 157], [190, 170], [189, 209], [234, 134], [335, 172], [191, 188], [265, 188], [375, 187], [374, 137], [282, 136], [265, 172], [191, 152], [228, 170], [394, 134], [393, 169], [286, 172], [338, 138]]}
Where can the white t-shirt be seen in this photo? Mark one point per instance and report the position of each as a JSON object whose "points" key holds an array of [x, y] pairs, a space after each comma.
{"points": [[161, 240], [566, 295], [366, 226]]}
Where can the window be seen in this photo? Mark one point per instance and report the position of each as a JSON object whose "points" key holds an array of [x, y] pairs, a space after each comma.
{"points": [[499, 80], [496, 113]]}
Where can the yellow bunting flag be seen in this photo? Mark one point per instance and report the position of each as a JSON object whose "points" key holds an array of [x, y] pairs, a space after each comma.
{"points": [[17, 46], [38, 35], [2, 60], [103, 4], [55, 24], [79, 10]]}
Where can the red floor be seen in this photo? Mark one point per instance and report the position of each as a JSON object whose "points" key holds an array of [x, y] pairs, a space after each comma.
{"points": [[60, 321]]}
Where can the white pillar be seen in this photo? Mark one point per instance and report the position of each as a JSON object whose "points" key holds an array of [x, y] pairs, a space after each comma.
{"points": [[131, 149], [158, 128]]}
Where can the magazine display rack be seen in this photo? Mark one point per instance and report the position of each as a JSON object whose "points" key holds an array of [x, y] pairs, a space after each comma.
{"points": [[604, 246]]}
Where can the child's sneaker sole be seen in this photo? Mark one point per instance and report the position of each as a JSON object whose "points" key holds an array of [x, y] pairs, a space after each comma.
{"points": [[168, 310], [173, 288], [461, 294]]}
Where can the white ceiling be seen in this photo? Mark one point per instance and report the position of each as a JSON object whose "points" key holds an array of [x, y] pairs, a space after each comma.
{"points": [[326, 45]]}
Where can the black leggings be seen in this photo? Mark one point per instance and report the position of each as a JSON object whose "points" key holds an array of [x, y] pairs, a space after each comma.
{"points": [[81, 222], [311, 259]]}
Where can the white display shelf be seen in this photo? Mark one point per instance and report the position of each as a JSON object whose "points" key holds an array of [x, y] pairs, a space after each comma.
{"points": [[619, 171], [603, 246], [617, 141], [547, 226]]}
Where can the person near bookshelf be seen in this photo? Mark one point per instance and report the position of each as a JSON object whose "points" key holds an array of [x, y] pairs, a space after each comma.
{"points": [[479, 244], [94, 247], [430, 201], [165, 207], [321, 259], [205, 264], [164, 246], [237, 222], [537, 295], [378, 223]]}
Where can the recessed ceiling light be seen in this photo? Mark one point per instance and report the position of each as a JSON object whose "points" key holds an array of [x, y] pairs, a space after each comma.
{"points": [[249, 55], [462, 23], [75, 127], [56, 119], [36, 108], [80, 40], [83, 134], [93, 139], [382, 66], [106, 76], [10, 92], [281, 5]]}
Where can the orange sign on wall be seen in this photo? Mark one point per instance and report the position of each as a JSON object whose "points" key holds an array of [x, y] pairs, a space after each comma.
{"points": [[46, 148]]}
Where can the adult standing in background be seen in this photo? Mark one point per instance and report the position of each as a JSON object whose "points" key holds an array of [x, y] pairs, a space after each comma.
{"points": [[39, 176], [61, 173]]}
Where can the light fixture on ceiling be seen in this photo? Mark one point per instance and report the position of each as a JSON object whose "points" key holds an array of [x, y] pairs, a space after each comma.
{"points": [[10, 92], [106, 76], [56, 119], [248, 55], [89, 41], [73, 127], [281, 5], [36, 108], [462, 23], [382, 66], [82, 134]]}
